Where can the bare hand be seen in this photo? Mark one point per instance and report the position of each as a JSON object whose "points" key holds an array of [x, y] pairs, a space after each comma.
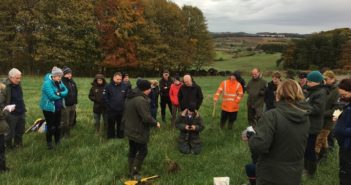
{"points": [[158, 125], [193, 127]]}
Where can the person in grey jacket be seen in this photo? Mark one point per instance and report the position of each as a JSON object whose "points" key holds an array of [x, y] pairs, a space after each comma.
{"points": [[137, 122], [280, 138]]}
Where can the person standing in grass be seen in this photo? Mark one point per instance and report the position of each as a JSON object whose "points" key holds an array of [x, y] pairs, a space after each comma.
{"points": [[255, 102], [190, 125], [173, 94], [232, 92], [137, 120], [165, 85], [96, 95], [53, 93], [316, 97], [269, 95], [16, 119], [71, 100], [189, 93], [3, 128], [155, 92], [280, 138], [331, 105], [342, 133], [114, 96]]}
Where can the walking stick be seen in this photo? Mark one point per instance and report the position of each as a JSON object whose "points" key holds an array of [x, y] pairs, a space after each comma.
{"points": [[214, 109]]}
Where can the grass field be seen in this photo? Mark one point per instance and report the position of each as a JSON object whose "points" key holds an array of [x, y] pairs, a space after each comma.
{"points": [[86, 158], [263, 61]]}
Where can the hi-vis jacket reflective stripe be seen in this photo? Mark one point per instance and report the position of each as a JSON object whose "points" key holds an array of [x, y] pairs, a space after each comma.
{"points": [[232, 93]]}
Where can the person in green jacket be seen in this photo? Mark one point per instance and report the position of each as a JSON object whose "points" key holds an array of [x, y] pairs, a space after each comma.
{"points": [[137, 121], [3, 128], [255, 102], [331, 106], [190, 124], [280, 138], [316, 97]]}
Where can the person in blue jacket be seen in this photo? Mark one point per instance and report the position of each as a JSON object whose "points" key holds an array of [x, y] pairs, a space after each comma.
{"points": [[53, 92], [342, 132]]}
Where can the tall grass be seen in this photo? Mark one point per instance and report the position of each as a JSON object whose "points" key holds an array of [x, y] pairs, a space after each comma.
{"points": [[87, 158]]}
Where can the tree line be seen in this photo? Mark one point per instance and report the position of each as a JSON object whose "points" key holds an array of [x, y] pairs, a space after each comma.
{"points": [[329, 49], [103, 35]]}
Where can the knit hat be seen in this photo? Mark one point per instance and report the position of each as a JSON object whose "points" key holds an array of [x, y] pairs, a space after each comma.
{"points": [[345, 84], [329, 74], [56, 71], [144, 85], [302, 75], [315, 76], [66, 70]]}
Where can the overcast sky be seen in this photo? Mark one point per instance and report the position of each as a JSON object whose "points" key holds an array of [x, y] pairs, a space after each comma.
{"points": [[292, 16]]}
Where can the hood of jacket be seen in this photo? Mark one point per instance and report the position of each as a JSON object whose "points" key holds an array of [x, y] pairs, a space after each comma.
{"points": [[295, 112]]}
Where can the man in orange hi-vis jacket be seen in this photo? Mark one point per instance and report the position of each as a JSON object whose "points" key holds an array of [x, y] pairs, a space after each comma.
{"points": [[232, 92]]}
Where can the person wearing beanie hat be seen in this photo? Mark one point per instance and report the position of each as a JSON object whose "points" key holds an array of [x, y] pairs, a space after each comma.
{"points": [[66, 70], [69, 114], [56, 71], [165, 84], [342, 132], [155, 91], [232, 92], [331, 105], [51, 102], [315, 76], [316, 97], [16, 119], [144, 85], [173, 95], [96, 95], [137, 121], [190, 124]]}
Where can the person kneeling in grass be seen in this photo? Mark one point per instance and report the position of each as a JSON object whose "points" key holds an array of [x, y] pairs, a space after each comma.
{"points": [[190, 125]]}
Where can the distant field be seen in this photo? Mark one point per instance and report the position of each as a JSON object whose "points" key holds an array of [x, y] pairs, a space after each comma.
{"points": [[263, 61]]}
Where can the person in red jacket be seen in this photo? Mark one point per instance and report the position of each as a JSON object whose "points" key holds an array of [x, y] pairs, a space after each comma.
{"points": [[232, 92], [173, 94]]}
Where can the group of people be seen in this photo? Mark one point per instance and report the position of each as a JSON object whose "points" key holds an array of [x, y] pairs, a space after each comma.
{"points": [[293, 126], [293, 122]]}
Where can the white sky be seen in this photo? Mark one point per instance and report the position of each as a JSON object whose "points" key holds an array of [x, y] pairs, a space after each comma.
{"points": [[289, 16]]}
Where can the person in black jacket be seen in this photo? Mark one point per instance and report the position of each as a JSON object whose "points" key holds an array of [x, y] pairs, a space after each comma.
{"points": [[71, 100], [114, 96], [190, 125], [154, 98], [190, 93], [165, 85], [270, 92], [96, 95], [342, 133]]}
